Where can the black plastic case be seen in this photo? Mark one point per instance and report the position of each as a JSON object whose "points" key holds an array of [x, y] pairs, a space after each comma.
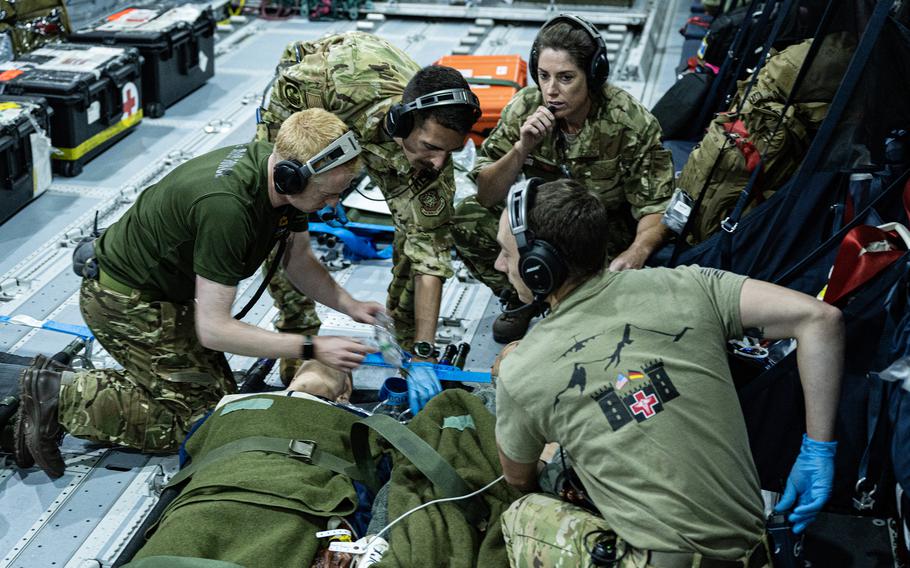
{"points": [[22, 121], [177, 47], [93, 90]]}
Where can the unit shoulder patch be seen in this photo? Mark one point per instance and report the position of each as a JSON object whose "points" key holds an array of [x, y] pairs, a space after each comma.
{"points": [[431, 203]]}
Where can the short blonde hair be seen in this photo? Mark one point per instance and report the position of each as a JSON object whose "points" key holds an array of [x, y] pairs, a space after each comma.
{"points": [[306, 132]]}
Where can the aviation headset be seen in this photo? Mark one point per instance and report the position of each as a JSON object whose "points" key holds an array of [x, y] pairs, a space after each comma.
{"points": [[400, 119], [598, 67], [291, 177], [539, 264]]}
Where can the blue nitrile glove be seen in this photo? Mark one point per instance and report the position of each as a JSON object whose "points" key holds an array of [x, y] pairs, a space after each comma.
{"points": [[340, 214], [810, 480], [333, 215], [422, 385]]}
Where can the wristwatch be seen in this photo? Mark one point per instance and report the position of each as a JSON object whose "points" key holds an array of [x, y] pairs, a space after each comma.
{"points": [[424, 349], [307, 351]]}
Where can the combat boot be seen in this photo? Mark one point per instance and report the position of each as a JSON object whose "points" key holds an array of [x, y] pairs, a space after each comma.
{"points": [[512, 324], [37, 428], [24, 459]]}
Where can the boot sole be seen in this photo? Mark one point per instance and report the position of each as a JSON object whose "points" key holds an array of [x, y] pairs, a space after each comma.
{"points": [[30, 432], [24, 459]]}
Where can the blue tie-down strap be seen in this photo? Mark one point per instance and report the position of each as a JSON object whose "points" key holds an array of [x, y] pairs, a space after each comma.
{"points": [[355, 247], [50, 325], [443, 372]]}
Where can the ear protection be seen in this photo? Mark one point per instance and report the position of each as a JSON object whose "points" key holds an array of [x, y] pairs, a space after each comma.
{"points": [[291, 177], [599, 66], [400, 119], [539, 264]]}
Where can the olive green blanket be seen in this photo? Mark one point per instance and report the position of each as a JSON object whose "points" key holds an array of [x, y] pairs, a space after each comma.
{"points": [[255, 508], [461, 430]]}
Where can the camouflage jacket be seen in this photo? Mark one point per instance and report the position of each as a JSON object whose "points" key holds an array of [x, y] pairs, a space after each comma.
{"points": [[617, 154], [321, 74]]}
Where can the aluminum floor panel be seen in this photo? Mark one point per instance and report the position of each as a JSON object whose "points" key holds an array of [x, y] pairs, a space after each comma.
{"points": [[37, 223], [41, 304], [261, 51], [31, 342], [425, 43]]}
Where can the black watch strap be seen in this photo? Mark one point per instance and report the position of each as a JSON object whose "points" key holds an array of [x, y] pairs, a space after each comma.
{"points": [[307, 351]]}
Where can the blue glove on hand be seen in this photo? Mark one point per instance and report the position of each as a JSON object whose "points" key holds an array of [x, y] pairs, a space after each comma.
{"points": [[340, 214], [333, 215], [810, 480], [422, 385]]}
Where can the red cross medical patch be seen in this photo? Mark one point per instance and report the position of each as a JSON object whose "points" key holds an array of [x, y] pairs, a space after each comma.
{"points": [[643, 404]]}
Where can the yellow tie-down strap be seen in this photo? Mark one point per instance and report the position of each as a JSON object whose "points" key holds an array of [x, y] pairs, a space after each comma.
{"points": [[72, 154]]}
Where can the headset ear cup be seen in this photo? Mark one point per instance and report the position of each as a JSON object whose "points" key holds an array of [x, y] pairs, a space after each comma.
{"points": [[600, 70], [391, 121], [535, 274], [288, 178], [541, 269], [282, 176], [532, 65], [398, 124]]}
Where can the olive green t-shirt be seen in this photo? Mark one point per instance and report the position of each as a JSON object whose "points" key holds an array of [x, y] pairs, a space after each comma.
{"points": [[629, 374], [210, 216]]}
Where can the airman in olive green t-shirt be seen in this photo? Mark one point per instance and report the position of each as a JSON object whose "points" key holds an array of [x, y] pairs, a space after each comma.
{"points": [[168, 274], [628, 374]]}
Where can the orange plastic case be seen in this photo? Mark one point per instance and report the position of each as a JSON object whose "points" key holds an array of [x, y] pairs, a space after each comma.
{"points": [[494, 79]]}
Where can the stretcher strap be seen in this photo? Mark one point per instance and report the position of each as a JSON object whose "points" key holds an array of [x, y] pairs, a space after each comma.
{"points": [[304, 450], [442, 475]]}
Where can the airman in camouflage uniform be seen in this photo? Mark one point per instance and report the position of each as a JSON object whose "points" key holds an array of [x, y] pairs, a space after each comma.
{"points": [[358, 77], [617, 155], [104, 404]]}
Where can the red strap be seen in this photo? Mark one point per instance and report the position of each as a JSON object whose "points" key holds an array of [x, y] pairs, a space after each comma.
{"points": [[738, 132]]}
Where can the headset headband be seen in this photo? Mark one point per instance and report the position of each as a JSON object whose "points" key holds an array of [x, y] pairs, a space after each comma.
{"points": [[517, 203], [578, 21], [443, 98], [599, 65], [342, 150]]}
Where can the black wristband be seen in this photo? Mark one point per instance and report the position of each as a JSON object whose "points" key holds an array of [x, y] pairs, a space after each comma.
{"points": [[307, 351]]}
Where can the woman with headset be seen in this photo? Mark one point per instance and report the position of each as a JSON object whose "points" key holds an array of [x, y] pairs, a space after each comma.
{"points": [[570, 124]]}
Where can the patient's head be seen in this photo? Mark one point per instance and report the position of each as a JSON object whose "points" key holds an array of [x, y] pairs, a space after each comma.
{"points": [[317, 379]]}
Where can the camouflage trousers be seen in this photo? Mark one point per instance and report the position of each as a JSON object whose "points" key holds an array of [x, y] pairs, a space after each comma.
{"points": [[474, 229], [169, 380], [297, 313], [474, 232], [542, 530]]}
